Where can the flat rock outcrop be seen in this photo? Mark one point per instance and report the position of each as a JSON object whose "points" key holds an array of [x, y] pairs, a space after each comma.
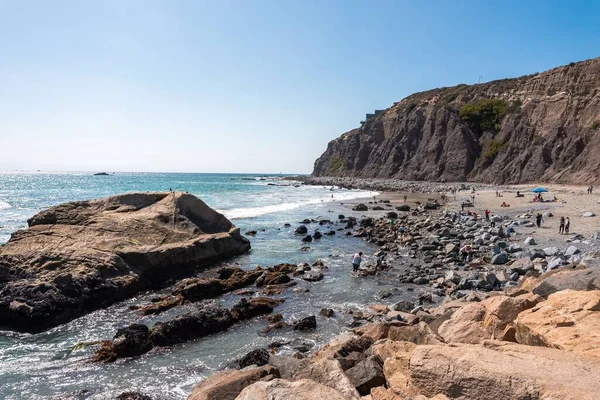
{"points": [[540, 127], [81, 256]]}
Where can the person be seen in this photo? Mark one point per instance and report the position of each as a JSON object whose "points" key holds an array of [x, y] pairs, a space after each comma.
{"points": [[473, 199], [518, 193], [538, 220], [462, 206], [465, 252], [561, 228], [475, 216], [369, 235], [405, 197], [567, 225], [401, 230], [487, 214], [380, 261], [392, 220], [356, 261]]}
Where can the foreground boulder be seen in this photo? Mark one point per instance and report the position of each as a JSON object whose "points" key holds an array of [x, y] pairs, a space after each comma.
{"points": [[503, 371], [568, 320], [227, 385], [580, 279], [81, 256], [285, 390]]}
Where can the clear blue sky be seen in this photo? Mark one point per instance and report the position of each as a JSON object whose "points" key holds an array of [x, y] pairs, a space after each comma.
{"points": [[247, 86]]}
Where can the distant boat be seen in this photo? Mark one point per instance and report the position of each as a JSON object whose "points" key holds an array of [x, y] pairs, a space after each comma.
{"points": [[101, 174]]}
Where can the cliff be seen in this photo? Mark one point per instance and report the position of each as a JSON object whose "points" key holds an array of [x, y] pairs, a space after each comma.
{"points": [[540, 127]]}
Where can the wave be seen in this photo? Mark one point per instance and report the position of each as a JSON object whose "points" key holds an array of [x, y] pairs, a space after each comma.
{"points": [[4, 205], [253, 212]]}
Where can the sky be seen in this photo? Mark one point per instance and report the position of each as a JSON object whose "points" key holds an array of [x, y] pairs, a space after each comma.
{"points": [[251, 85]]}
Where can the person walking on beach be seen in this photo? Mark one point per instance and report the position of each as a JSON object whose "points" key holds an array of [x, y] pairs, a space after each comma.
{"points": [[356, 259], [405, 197], [567, 225], [487, 215], [538, 220], [561, 228]]}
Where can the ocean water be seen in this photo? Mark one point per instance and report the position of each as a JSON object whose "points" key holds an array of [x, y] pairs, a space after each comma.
{"points": [[54, 364]]}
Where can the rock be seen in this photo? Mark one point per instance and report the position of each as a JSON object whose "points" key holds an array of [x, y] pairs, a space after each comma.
{"points": [[377, 208], [306, 323], [418, 334], [312, 276], [366, 375], [584, 279], [301, 230], [272, 278], [383, 294], [286, 390], [228, 384], [555, 262], [392, 215], [317, 235], [328, 372], [191, 326], [551, 251], [451, 248], [132, 396], [130, 341], [488, 319], [568, 320], [500, 258], [571, 251], [530, 241], [588, 214], [360, 207], [257, 357], [307, 238], [452, 276], [514, 248], [591, 260], [341, 216], [403, 207], [326, 312], [80, 256], [246, 309], [503, 371]]}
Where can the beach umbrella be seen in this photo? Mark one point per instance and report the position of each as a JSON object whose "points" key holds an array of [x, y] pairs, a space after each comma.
{"points": [[539, 190]]}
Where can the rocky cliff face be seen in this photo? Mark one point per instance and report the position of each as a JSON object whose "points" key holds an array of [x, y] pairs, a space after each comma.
{"points": [[540, 127], [81, 256]]}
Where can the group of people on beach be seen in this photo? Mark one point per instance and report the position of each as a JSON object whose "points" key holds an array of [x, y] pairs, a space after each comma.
{"points": [[590, 189]]}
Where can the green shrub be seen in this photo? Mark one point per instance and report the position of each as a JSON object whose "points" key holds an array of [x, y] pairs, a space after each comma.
{"points": [[493, 148], [335, 165], [484, 115], [514, 105]]}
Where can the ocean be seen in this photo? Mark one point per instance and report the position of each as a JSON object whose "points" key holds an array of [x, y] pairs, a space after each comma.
{"points": [[54, 364]]}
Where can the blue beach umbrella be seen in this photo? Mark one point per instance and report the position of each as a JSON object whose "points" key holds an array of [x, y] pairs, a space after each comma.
{"points": [[539, 190]]}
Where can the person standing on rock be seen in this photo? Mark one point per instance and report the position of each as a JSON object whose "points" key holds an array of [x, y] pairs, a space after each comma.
{"points": [[561, 228], [487, 215], [567, 225], [538, 220], [356, 261], [369, 235]]}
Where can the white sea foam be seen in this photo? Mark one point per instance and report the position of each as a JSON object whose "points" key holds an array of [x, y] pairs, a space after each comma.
{"points": [[252, 212], [4, 205]]}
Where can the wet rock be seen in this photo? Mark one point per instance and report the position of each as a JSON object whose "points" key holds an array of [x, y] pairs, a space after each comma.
{"points": [[317, 235], [306, 323], [191, 326], [307, 238], [246, 309], [366, 222], [272, 278], [133, 396], [360, 207], [383, 294], [251, 233], [257, 357], [312, 276], [301, 230], [130, 341], [326, 312], [341, 216]]}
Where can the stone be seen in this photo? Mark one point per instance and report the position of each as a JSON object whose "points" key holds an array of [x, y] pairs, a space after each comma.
{"points": [[485, 320], [366, 375], [307, 238], [591, 260], [81, 256], [360, 207], [588, 214], [555, 262], [131, 341], [551, 251], [326, 312], [530, 241], [317, 235], [403, 305], [514, 248], [571, 251], [501, 258], [280, 389], [257, 357], [301, 230], [503, 371], [305, 323], [312, 276], [403, 207], [129, 396], [568, 320], [418, 334], [582, 279], [228, 384], [452, 276], [451, 248]]}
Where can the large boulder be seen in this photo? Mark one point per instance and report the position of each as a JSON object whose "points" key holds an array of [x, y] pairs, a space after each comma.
{"points": [[568, 320], [503, 371], [280, 389], [491, 318], [366, 375], [80, 256], [227, 385], [579, 279]]}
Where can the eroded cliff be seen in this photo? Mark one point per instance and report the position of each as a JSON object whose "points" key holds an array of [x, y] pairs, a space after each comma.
{"points": [[540, 127]]}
